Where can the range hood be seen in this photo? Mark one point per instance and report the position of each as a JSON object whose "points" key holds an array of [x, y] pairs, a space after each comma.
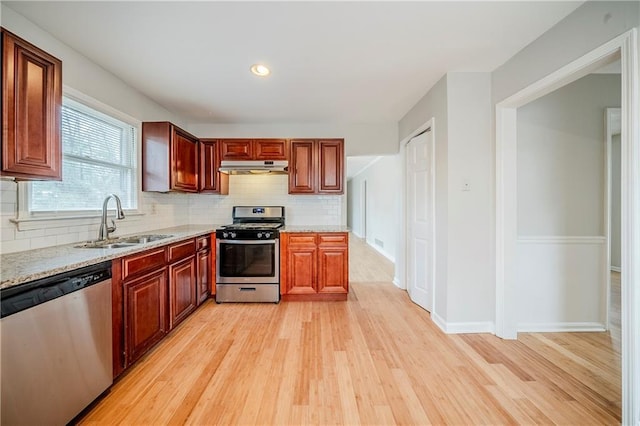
{"points": [[254, 167]]}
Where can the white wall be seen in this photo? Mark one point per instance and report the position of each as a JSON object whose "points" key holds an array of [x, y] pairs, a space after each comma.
{"points": [[265, 190], [384, 180], [471, 292], [561, 206], [359, 139]]}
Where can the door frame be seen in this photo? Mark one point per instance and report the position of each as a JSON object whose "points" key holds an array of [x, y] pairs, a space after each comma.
{"points": [[625, 46], [609, 114], [428, 126], [363, 209]]}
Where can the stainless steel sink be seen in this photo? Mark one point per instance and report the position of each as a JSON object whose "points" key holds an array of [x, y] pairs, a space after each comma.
{"points": [[122, 241], [143, 239]]}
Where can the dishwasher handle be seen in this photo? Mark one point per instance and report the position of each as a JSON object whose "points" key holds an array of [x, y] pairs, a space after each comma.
{"points": [[18, 298]]}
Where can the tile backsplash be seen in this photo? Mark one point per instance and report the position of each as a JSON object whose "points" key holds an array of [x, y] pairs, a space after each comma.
{"points": [[173, 209]]}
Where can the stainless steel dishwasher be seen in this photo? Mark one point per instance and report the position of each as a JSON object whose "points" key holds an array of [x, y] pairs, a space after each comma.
{"points": [[56, 346]]}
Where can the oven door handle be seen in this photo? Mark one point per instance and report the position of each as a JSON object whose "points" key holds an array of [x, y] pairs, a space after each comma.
{"points": [[246, 242]]}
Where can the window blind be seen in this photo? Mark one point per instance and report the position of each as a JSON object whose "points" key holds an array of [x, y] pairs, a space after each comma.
{"points": [[99, 158]]}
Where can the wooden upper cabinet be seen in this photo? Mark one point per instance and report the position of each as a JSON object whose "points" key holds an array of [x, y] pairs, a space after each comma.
{"points": [[211, 180], [169, 158], [316, 166], [331, 166], [254, 149], [237, 149], [184, 162], [31, 111], [302, 167], [270, 149]]}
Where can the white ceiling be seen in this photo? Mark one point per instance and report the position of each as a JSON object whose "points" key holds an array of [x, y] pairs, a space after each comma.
{"points": [[347, 62]]}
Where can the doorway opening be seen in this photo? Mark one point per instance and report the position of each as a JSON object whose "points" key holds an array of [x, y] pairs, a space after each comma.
{"points": [[625, 47]]}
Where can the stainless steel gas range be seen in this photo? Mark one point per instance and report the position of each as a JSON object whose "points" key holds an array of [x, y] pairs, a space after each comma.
{"points": [[248, 255]]}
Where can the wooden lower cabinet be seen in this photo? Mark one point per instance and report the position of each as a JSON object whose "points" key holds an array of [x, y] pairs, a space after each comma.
{"points": [[145, 318], [153, 291], [204, 275], [302, 263], [182, 290], [333, 270], [316, 266]]}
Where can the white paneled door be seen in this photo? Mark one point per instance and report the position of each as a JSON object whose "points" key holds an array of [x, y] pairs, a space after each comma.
{"points": [[420, 220]]}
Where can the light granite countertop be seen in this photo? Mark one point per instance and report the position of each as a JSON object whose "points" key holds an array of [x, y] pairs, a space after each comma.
{"points": [[21, 267], [314, 228]]}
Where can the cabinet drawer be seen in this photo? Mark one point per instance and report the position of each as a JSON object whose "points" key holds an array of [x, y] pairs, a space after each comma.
{"points": [[180, 250], [305, 239], [141, 262], [202, 243], [333, 239]]}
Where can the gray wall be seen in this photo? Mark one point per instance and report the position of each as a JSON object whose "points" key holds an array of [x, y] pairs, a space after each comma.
{"points": [[433, 105], [561, 159], [588, 27]]}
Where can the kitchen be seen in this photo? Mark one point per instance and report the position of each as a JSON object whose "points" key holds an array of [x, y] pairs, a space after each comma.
{"points": [[162, 211]]}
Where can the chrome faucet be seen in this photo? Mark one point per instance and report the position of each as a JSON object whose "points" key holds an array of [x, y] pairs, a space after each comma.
{"points": [[105, 229]]}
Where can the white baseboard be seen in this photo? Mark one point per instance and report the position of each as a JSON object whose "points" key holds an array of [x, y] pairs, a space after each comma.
{"points": [[561, 327], [615, 269], [382, 252], [396, 282], [463, 327], [356, 234]]}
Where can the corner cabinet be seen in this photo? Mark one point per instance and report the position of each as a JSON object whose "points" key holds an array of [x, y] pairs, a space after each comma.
{"points": [[31, 111], [169, 158], [315, 266], [316, 166]]}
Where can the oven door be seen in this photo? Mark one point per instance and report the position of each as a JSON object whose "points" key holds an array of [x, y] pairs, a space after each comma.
{"points": [[248, 261]]}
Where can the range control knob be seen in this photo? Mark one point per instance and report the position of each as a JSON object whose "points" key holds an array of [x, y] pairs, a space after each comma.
{"points": [[267, 234], [260, 234], [233, 235], [225, 235]]}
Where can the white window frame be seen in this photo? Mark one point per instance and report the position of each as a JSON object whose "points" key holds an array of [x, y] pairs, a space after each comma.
{"points": [[27, 220]]}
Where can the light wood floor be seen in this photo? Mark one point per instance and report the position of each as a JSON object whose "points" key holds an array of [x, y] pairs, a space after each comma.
{"points": [[375, 359]]}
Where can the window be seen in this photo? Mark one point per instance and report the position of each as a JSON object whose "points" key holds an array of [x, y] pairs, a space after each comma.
{"points": [[99, 158]]}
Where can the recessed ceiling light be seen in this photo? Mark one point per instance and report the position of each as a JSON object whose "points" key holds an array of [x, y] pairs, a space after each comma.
{"points": [[260, 70]]}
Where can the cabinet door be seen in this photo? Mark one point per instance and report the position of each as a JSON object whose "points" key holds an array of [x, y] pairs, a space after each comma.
{"points": [[302, 175], [204, 275], [237, 149], [302, 270], [330, 166], [184, 163], [31, 111], [182, 290], [210, 179], [333, 270], [270, 149], [145, 319]]}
